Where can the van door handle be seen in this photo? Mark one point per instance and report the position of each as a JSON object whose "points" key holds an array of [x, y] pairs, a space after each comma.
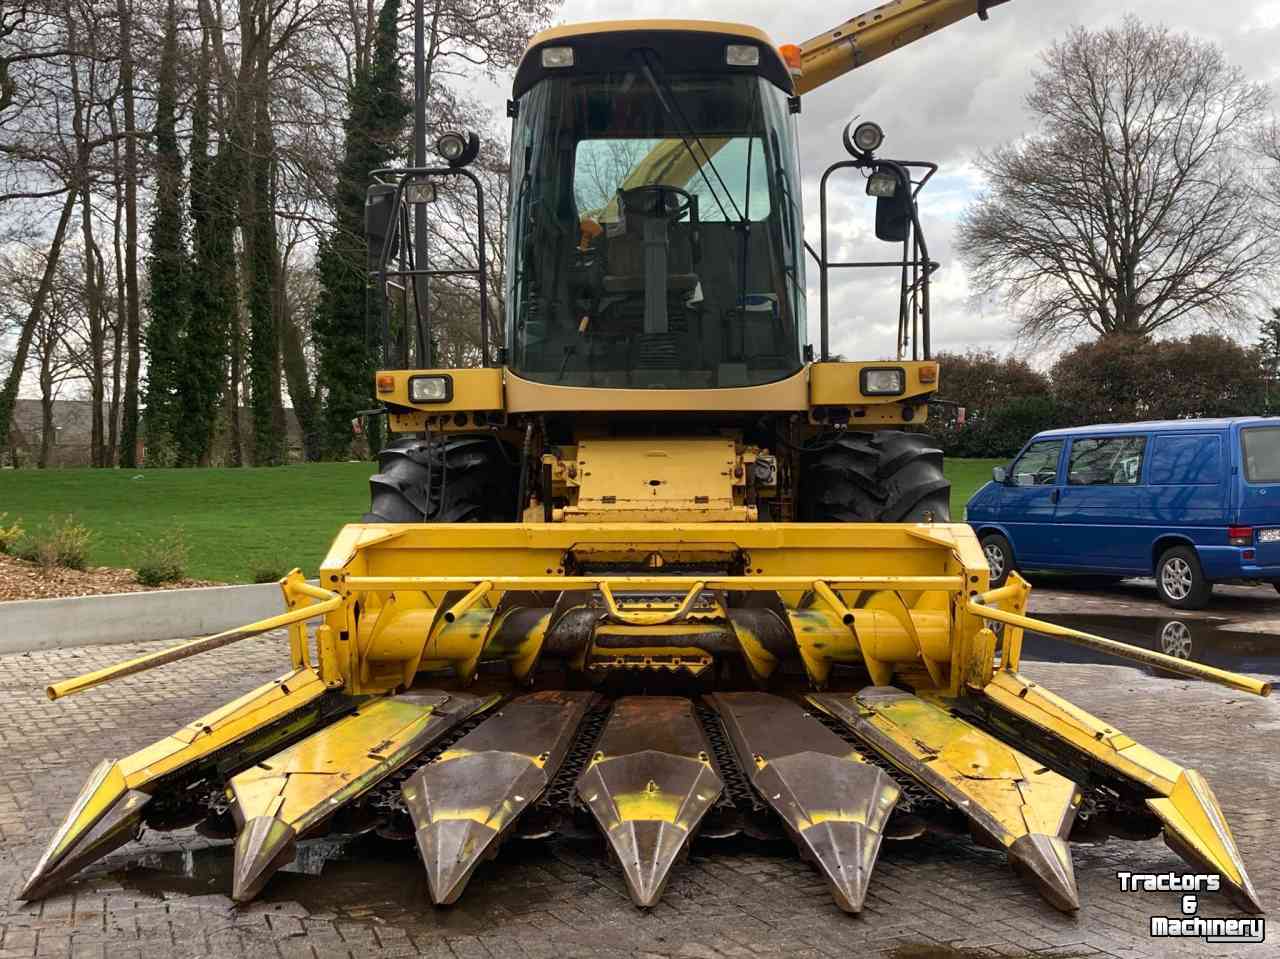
{"points": [[1055, 496]]}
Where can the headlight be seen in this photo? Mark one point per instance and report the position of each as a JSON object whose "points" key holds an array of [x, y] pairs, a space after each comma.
{"points": [[884, 381], [430, 389]]}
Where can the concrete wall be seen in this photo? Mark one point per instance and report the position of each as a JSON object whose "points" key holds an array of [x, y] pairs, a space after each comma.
{"points": [[39, 624]]}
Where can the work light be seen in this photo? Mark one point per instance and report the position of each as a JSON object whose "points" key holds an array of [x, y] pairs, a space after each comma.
{"points": [[868, 137], [742, 55], [555, 58], [882, 184], [458, 149]]}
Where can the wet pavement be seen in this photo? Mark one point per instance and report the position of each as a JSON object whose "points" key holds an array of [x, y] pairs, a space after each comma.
{"points": [[939, 897], [1221, 642]]}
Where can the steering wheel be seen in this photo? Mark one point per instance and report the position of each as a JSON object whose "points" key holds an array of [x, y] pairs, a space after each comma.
{"points": [[684, 200]]}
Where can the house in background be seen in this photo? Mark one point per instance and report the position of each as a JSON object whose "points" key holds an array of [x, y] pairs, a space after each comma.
{"points": [[73, 430]]}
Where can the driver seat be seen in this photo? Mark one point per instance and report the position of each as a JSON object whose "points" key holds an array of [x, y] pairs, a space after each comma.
{"points": [[646, 253]]}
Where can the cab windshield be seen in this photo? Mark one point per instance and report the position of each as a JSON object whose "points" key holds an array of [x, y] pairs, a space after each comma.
{"points": [[655, 232]]}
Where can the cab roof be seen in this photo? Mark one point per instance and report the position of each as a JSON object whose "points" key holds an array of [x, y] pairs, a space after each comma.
{"points": [[694, 44]]}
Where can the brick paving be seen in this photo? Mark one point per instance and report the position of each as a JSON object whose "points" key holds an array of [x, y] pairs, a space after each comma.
{"points": [[936, 897]]}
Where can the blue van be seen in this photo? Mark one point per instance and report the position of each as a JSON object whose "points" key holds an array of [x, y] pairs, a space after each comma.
{"points": [[1192, 502]]}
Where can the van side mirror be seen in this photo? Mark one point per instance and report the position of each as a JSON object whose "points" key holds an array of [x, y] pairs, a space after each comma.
{"points": [[1000, 475]]}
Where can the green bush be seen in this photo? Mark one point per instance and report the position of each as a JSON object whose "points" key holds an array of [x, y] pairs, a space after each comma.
{"points": [[61, 543], [9, 535], [269, 570], [161, 560]]}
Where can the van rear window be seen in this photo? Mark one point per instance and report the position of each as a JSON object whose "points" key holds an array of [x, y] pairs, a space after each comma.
{"points": [[1186, 460], [1261, 455]]}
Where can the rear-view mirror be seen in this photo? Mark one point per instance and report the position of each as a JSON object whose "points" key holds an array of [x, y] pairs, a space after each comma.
{"points": [[1000, 474], [893, 211]]}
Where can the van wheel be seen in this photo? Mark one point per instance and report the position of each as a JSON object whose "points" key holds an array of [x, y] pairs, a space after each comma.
{"points": [[999, 556], [1180, 580]]}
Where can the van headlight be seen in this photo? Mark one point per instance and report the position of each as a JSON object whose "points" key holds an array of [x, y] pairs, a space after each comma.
{"points": [[883, 381], [430, 389]]}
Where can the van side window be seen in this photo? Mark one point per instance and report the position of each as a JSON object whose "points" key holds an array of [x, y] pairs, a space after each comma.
{"points": [[1261, 454], [1114, 461], [1038, 466], [1186, 461]]}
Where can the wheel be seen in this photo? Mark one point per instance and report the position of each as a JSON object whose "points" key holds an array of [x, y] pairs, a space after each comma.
{"points": [[999, 557], [462, 479], [1179, 579], [884, 477]]}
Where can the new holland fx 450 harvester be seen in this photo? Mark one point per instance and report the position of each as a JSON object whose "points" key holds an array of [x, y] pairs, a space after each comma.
{"points": [[650, 563]]}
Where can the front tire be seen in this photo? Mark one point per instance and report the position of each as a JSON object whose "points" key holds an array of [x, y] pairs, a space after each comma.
{"points": [[1180, 580], [999, 554], [884, 477], [460, 479]]}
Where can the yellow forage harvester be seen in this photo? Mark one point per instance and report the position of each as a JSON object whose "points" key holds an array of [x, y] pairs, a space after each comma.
{"points": [[650, 564]]}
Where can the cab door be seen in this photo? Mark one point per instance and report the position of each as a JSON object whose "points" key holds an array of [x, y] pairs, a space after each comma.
{"points": [[1029, 502]]}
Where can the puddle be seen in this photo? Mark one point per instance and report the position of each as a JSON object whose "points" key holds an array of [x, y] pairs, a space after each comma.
{"points": [[363, 879], [1213, 642]]}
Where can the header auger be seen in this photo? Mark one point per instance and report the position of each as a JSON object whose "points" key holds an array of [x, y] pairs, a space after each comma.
{"points": [[648, 564]]}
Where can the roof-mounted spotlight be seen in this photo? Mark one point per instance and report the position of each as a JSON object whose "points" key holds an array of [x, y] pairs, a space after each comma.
{"points": [[458, 149], [863, 139]]}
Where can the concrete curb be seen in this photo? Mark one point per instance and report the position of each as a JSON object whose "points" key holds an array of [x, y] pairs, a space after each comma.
{"points": [[44, 624]]}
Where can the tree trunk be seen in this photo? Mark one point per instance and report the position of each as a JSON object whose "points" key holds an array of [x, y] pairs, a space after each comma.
{"points": [[9, 394], [129, 428]]}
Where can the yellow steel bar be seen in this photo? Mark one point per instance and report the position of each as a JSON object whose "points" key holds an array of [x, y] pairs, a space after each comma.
{"points": [[196, 646], [674, 583], [651, 619], [977, 607], [461, 606], [837, 605]]}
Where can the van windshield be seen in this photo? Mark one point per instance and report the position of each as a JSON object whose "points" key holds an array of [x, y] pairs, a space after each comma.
{"points": [[1261, 455]]}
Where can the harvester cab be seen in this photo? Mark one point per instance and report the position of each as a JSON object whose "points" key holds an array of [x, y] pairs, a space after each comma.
{"points": [[648, 563]]}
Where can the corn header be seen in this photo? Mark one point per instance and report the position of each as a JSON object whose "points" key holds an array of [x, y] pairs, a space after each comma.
{"points": [[651, 563]]}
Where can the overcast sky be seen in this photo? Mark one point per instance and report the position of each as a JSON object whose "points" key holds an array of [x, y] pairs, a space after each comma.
{"points": [[945, 98]]}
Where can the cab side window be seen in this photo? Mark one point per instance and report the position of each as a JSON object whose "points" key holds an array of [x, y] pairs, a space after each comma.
{"points": [[1038, 465], [1115, 461]]}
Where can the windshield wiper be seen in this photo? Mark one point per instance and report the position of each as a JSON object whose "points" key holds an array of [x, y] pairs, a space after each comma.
{"points": [[672, 107]]}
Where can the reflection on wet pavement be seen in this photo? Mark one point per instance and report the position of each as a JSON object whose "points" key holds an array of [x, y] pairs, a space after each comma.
{"points": [[1214, 642]]}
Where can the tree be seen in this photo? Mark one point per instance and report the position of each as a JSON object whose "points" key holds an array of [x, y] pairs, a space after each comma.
{"points": [[213, 281], [1268, 350], [130, 307], [1133, 205], [376, 113], [1122, 379], [166, 268]]}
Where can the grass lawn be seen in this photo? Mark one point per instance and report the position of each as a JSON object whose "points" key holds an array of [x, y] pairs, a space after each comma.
{"points": [[966, 477], [235, 521]]}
